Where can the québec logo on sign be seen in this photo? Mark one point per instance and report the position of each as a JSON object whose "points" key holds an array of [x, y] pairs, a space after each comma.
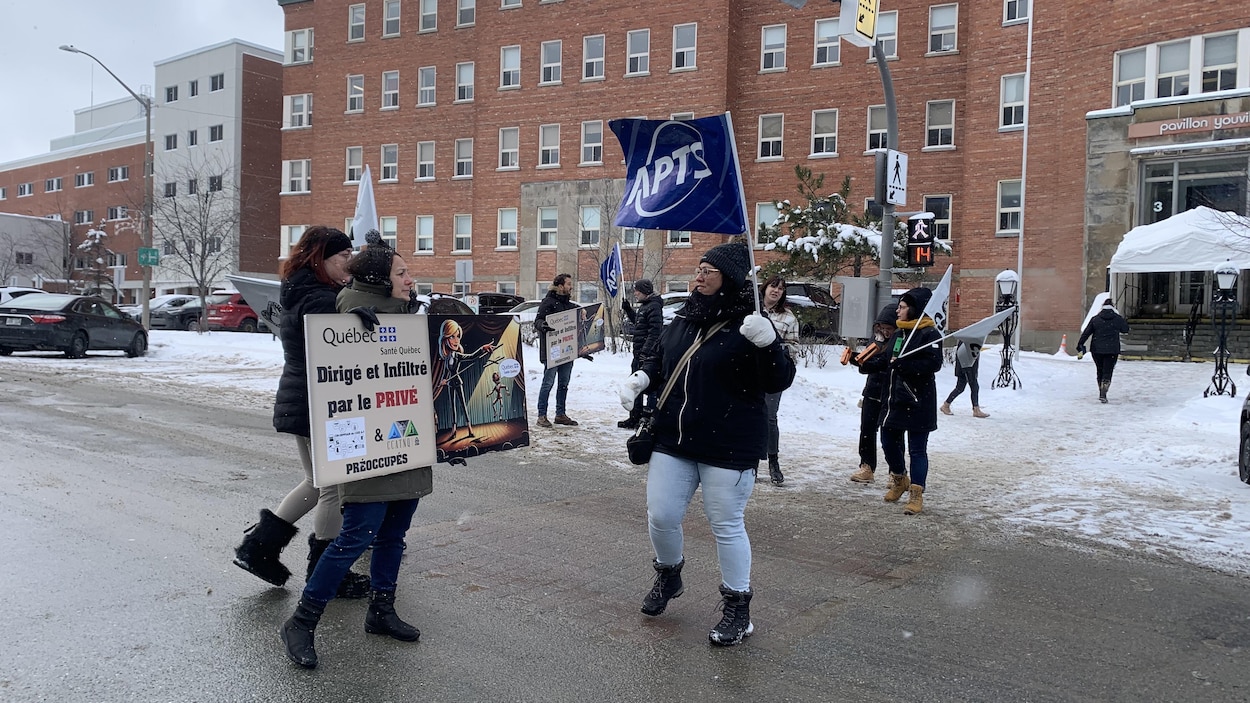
{"points": [[674, 168]]}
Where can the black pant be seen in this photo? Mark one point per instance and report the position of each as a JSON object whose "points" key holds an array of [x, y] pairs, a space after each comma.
{"points": [[1105, 363], [966, 378], [869, 416]]}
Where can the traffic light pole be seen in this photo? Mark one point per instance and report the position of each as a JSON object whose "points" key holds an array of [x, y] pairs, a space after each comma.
{"points": [[886, 276]]}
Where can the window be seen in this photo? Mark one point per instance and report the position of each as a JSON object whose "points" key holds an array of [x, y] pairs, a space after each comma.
{"points": [[193, 186], [425, 161], [887, 34], [464, 158], [1009, 211], [117, 212], [770, 136], [589, 235], [509, 147], [356, 23], [592, 57], [552, 52], [4, 193], [171, 142], [507, 227], [388, 228], [298, 111], [878, 128], [296, 176], [429, 15], [54, 216], [510, 3], [390, 162], [1219, 63], [171, 94], [685, 37], [1130, 76], [510, 67], [940, 206], [390, 90], [765, 216], [82, 180], [639, 47], [1015, 10], [824, 132], [1173, 74], [587, 292], [462, 236], [355, 93], [464, 81], [547, 224], [592, 142], [773, 47], [53, 185], [679, 238], [119, 173], [427, 77], [1011, 101], [943, 23], [390, 18], [508, 287], [218, 82], [828, 43], [299, 43], [631, 237], [940, 123], [193, 88], [354, 162], [466, 12], [171, 190], [193, 137], [681, 116], [24, 258], [115, 259], [84, 217], [425, 234], [549, 145], [290, 237], [216, 133], [214, 184]]}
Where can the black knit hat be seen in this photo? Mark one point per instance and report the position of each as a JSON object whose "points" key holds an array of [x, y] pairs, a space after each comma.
{"points": [[644, 286], [373, 265], [888, 316], [733, 261], [336, 242]]}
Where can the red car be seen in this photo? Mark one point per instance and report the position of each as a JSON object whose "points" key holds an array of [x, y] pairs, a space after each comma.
{"points": [[231, 313]]}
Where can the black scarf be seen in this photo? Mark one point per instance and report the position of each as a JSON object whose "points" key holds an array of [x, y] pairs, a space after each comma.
{"points": [[705, 310]]}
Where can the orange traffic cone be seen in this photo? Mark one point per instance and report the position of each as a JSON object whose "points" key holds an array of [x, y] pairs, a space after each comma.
{"points": [[1063, 345]]}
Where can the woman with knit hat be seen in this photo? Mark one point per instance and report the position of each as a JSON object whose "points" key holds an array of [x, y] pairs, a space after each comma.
{"points": [[872, 362], [713, 366]]}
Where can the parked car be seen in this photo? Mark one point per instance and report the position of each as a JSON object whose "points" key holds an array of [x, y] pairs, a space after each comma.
{"points": [[174, 300], [1243, 453], [8, 293], [495, 303], [525, 311], [73, 324], [671, 303], [233, 313], [187, 317]]}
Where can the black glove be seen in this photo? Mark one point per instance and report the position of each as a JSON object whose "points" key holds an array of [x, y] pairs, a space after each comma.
{"points": [[625, 304], [1080, 349], [368, 316], [587, 357]]}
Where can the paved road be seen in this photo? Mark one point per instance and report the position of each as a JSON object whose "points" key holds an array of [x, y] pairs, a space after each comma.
{"points": [[525, 573]]}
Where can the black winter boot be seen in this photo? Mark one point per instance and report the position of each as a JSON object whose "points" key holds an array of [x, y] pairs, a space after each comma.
{"points": [[297, 633], [667, 586], [352, 586], [1103, 387], [774, 470], [629, 423], [735, 622], [262, 545], [382, 620]]}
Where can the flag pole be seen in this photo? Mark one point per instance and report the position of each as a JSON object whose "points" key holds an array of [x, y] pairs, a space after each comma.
{"points": [[742, 200]]}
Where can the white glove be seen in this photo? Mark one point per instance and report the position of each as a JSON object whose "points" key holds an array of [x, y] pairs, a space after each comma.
{"points": [[635, 384], [758, 329]]}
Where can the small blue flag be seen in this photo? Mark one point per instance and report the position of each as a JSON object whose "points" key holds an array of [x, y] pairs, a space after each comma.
{"points": [[610, 271]]}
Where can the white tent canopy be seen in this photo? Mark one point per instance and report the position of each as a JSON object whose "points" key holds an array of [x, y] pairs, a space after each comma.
{"points": [[1195, 240]]}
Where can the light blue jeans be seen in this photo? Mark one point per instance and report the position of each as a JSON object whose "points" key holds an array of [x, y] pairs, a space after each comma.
{"points": [[671, 482], [562, 373]]}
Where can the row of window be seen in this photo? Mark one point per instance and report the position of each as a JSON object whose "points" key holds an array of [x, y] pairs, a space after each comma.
{"points": [[81, 180], [1198, 64], [193, 186], [87, 217], [216, 82], [215, 134]]}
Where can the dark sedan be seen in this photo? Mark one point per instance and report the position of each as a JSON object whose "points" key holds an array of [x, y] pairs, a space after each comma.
{"points": [[74, 324]]}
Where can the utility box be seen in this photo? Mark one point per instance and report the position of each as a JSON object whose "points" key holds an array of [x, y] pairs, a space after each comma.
{"points": [[859, 307]]}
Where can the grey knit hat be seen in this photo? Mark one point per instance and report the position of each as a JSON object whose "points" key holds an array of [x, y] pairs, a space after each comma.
{"points": [[733, 261], [644, 286]]}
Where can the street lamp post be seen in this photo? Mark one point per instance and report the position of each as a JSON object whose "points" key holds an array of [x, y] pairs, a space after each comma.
{"points": [[1223, 315], [1008, 285], [148, 175]]}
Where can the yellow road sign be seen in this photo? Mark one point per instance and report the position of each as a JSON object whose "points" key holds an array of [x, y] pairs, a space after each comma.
{"points": [[858, 21]]}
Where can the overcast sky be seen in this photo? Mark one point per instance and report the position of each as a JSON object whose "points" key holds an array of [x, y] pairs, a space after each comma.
{"points": [[42, 86]]}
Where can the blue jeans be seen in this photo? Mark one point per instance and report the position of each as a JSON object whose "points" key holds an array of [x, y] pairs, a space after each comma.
{"points": [[381, 524], [671, 482], [917, 450], [564, 372]]}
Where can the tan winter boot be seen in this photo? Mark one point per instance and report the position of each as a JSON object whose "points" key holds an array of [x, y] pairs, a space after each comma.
{"points": [[864, 475], [899, 483], [977, 412], [946, 409], [916, 502]]}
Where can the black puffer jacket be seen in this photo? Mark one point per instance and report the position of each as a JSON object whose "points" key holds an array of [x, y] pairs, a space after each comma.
{"points": [[648, 319], [302, 294], [910, 401], [1105, 328], [552, 302], [715, 413]]}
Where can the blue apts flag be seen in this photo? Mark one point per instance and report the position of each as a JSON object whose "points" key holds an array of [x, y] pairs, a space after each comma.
{"points": [[681, 175], [610, 271]]}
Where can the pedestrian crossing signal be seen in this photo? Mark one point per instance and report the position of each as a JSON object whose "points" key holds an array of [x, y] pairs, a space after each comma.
{"points": [[920, 240]]}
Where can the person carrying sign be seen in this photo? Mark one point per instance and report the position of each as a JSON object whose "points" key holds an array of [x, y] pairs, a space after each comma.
{"points": [[558, 299]]}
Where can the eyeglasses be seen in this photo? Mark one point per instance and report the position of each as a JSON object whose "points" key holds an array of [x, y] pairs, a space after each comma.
{"points": [[703, 272]]}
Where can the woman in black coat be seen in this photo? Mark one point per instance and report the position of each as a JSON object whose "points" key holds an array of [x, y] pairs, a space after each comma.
{"points": [[913, 356], [1105, 329]]}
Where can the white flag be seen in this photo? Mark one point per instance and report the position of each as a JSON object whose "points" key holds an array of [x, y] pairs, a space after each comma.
{"points": [[366, 217], [936, 307]]}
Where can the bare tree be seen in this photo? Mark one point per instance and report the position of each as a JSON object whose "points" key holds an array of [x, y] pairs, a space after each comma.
{"points": [[35, 249]]}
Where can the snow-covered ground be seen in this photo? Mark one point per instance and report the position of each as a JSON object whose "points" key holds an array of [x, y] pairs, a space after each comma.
{"points": [[1155, 470]]}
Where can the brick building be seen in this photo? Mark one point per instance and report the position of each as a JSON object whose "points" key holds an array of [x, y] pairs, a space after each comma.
{"points": [[485, 126]]}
